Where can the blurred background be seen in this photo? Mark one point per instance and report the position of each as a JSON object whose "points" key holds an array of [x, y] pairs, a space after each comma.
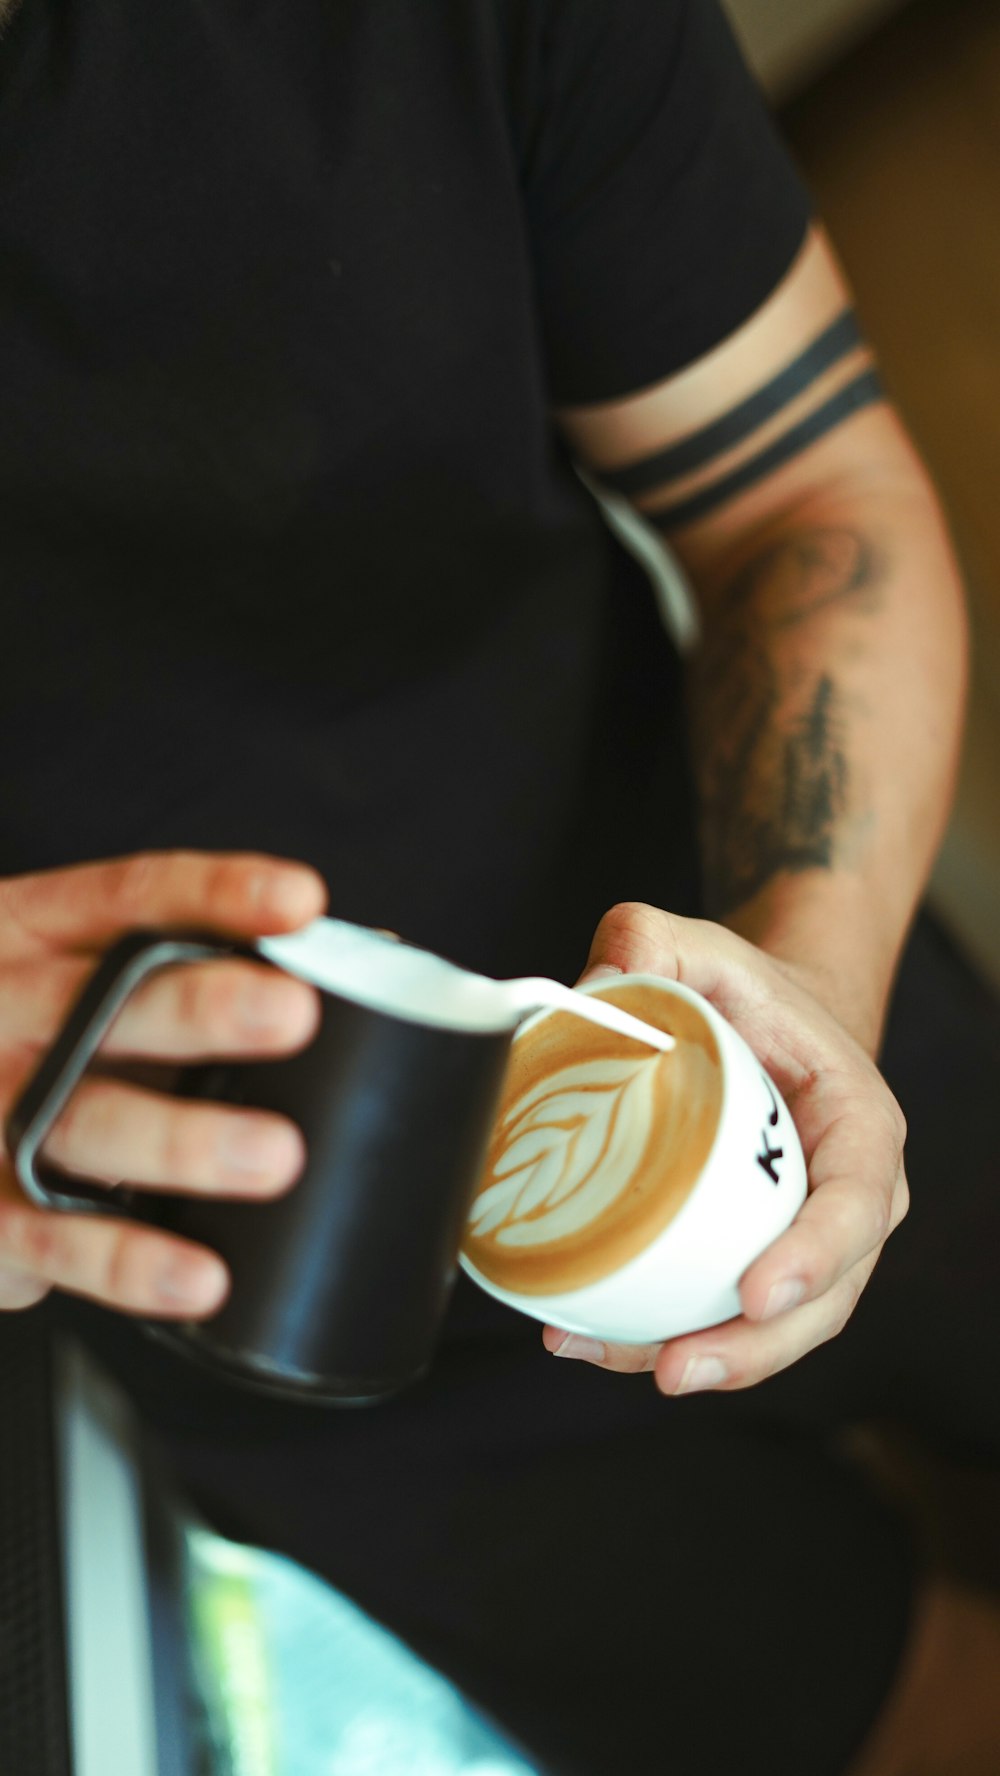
{"points": [[892, 108]]}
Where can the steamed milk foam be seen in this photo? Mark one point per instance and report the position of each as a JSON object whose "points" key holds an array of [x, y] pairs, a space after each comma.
{"points": [[597, 1144]]}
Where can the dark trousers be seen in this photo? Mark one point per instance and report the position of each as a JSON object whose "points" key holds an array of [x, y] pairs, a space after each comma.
{"points": [[636, 1586]]}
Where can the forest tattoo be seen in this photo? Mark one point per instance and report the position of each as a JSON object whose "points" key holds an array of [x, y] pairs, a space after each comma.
{"points": [[770, 728]]}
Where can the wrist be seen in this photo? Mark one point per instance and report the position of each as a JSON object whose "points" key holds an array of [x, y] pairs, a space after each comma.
{"points": [[825, 934]]}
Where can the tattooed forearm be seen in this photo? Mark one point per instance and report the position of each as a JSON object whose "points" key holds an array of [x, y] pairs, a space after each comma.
{"points": [[771, 723]]}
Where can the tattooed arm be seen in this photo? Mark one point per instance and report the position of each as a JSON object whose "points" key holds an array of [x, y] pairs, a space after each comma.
{"points": [[826, 693], [825, 705]]}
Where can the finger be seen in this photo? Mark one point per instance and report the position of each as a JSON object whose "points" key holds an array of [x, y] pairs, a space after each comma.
{"points": [[797, 1329], [637, 1359], [111, 1131], [633, 938], [743, 1352], [857, 1196], [623, 1359], [241, 894], [213, 1008], [125, 1266], [773, 1013], [20, 1291]]}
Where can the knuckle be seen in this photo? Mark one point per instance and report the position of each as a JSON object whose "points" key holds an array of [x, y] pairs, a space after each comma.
{"points": [[228, 887], [20, 1286], [894, 1120], [189, 996], [842, 1221], [121, 1267], [188, 1149], [47, 1243], [846, 1298], [881, 1220], [636, 1359], [207, 1000], [84, 1125], [130, 887]]}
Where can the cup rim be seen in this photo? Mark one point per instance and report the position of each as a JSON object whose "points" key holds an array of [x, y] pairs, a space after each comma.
{"points": [[624, 980], [713, 1018]]}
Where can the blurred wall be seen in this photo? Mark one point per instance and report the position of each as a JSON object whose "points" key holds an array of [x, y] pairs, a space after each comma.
{"points": [[790, 40]]}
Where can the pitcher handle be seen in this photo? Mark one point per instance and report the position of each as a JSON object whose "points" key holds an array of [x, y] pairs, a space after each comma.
{"points": [[124, 967]]}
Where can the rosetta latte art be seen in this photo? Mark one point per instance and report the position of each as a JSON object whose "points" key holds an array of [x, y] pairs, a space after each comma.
{"points": [[596, 1147], [570, 1146]]}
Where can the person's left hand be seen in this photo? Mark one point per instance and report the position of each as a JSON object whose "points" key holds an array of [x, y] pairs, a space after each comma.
{"points": [[804, 1288]]}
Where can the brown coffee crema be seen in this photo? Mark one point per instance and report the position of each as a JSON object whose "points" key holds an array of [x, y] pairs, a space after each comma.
{"points": [[597, 1145]]}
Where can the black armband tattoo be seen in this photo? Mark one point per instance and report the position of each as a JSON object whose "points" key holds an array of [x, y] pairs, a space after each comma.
{"points": [[865, 391], [701, 448]]}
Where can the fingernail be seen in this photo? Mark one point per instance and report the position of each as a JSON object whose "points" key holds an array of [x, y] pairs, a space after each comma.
{"points": [[585, 1350], [702, 1372], [287, 893], [784, 1296], [600, 971], [260, 1151], [195, 1284]]}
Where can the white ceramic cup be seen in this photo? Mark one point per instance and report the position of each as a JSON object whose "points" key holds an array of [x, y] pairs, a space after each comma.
{"points": [[747, 1192]]}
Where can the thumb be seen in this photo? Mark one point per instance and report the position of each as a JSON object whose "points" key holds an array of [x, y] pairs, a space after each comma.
{"points": [[633, 938]]}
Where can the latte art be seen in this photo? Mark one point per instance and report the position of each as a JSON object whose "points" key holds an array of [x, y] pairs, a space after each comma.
{"points": [[573, 1144], [596, 1145]]}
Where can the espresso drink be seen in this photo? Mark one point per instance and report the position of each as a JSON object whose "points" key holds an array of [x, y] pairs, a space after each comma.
{"points": [[597, 1145]]}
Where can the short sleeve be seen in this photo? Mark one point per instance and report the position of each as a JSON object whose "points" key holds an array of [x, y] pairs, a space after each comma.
{"points": [[662, 206]]}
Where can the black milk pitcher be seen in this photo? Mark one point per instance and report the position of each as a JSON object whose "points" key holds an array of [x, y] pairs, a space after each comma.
{"points": [[340, 1285]]}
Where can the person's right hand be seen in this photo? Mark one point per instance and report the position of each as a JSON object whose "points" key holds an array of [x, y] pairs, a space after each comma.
{"points": [[53, 929]]}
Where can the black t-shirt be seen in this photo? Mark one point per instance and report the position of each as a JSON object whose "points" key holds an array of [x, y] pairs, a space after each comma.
{"points": [[290, 556]]}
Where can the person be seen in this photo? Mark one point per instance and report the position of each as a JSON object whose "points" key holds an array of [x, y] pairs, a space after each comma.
{"points": [[309, 319]]}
